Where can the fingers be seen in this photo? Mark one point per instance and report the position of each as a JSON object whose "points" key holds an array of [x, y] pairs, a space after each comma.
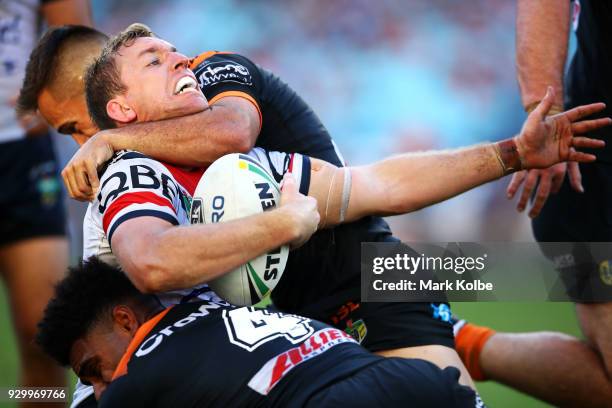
{"points": [[515, 183], [76, 179], [288, 183], [541, 194], [581, 157], [66, 179], [288, 187], [71, 183], [530, 182], [92, 176], [584, 111], [586, 126], [557, 174], [575, 177], [581, 141], [83, 188], [546, 103]]}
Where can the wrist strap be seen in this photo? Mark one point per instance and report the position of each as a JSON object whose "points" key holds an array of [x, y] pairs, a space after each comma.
{"points": [[553, 109], [508, 156]]}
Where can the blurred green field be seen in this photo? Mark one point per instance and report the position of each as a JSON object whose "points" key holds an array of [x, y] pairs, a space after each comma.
{"points": [[502, 316]]}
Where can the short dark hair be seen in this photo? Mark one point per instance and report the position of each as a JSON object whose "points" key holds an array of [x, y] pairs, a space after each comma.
{"points": [[82, 298], [102, 79], [43, 61]]}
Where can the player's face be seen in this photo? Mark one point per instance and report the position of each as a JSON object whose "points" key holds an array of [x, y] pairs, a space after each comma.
{"points": [[95, 357], [67, 116], [159, 83]]}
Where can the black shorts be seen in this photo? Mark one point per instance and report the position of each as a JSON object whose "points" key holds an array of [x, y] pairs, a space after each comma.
{"points": [[569, 216], [397, 382], [379, 326], [31, 197]]}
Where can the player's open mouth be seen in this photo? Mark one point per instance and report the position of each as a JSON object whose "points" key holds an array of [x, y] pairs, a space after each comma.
{"points": [[185, 84]]}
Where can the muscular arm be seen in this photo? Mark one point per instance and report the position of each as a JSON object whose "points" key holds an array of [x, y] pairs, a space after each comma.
{"points": [[230, 125], [542, 28], [158, 256], [402, 183]]}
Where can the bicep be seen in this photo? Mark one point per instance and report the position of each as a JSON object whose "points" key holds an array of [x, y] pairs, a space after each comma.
{"points": [[61, 12], [134, 237]]}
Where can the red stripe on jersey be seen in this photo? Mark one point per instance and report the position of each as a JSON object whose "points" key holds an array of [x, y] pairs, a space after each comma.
{"points": [[188, 179], [291, 163], [144, 197]]}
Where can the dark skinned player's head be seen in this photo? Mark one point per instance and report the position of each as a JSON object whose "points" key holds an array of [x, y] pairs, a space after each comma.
{"points": [[90, 321]]}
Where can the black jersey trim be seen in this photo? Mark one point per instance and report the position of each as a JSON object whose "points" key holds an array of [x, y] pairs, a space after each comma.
{"points": [[305, 182], [140, 213]]}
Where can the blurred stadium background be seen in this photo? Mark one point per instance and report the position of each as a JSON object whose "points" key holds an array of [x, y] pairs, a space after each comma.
{"points": [[385, 76]]}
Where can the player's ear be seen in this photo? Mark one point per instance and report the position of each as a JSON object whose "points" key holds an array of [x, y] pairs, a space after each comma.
{"points": [[125, 318], [118, 110]]}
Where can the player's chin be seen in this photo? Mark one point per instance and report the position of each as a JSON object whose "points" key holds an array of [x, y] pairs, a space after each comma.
{"points": [[187, 104]]}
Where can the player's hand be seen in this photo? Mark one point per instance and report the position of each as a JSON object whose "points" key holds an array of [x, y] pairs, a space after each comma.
{"points": [[302, 209], [548, 181], [81, 173], [547, 140]]}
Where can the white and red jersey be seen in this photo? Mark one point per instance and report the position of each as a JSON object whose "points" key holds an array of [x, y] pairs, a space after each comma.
{"points": [[135, 185]]}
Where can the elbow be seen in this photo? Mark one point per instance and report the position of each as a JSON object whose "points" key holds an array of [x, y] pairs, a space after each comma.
{"points": [[241, 132], [399, 201], [241, 137], [148, 276]]}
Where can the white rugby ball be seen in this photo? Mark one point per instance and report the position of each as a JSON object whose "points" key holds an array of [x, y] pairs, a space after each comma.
{"points": [[236, 186]]}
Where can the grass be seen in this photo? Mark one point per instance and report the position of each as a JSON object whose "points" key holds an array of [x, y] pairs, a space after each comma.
{"points": [[502, 316]]}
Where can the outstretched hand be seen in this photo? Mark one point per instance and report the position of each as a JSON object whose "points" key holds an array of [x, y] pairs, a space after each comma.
{"points": [[547, 140]]}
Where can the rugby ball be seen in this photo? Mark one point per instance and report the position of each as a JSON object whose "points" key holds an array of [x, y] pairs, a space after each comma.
{"points": [[236, 186]]}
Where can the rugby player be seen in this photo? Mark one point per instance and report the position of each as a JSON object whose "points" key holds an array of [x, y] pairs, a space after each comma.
{"points": [[295, 221], [477, 152], [555, 367], [33, 245], [323, 287], [115, 82], [135, 353]]}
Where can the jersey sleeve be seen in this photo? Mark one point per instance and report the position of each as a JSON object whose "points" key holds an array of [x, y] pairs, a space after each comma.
{"points": [[222, 74], [278, 164], [123, 392], [132, 186]]}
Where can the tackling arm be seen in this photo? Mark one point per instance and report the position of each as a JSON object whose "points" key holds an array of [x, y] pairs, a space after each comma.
{"points": [[401, 184], [231, 125], [159, 257]]}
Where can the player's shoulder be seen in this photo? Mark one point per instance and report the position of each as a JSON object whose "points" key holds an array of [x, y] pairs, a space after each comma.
{"points": [[215, 68], [122, 156], [128, 391], [130, 172], [208, 57], [125, 160]]}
